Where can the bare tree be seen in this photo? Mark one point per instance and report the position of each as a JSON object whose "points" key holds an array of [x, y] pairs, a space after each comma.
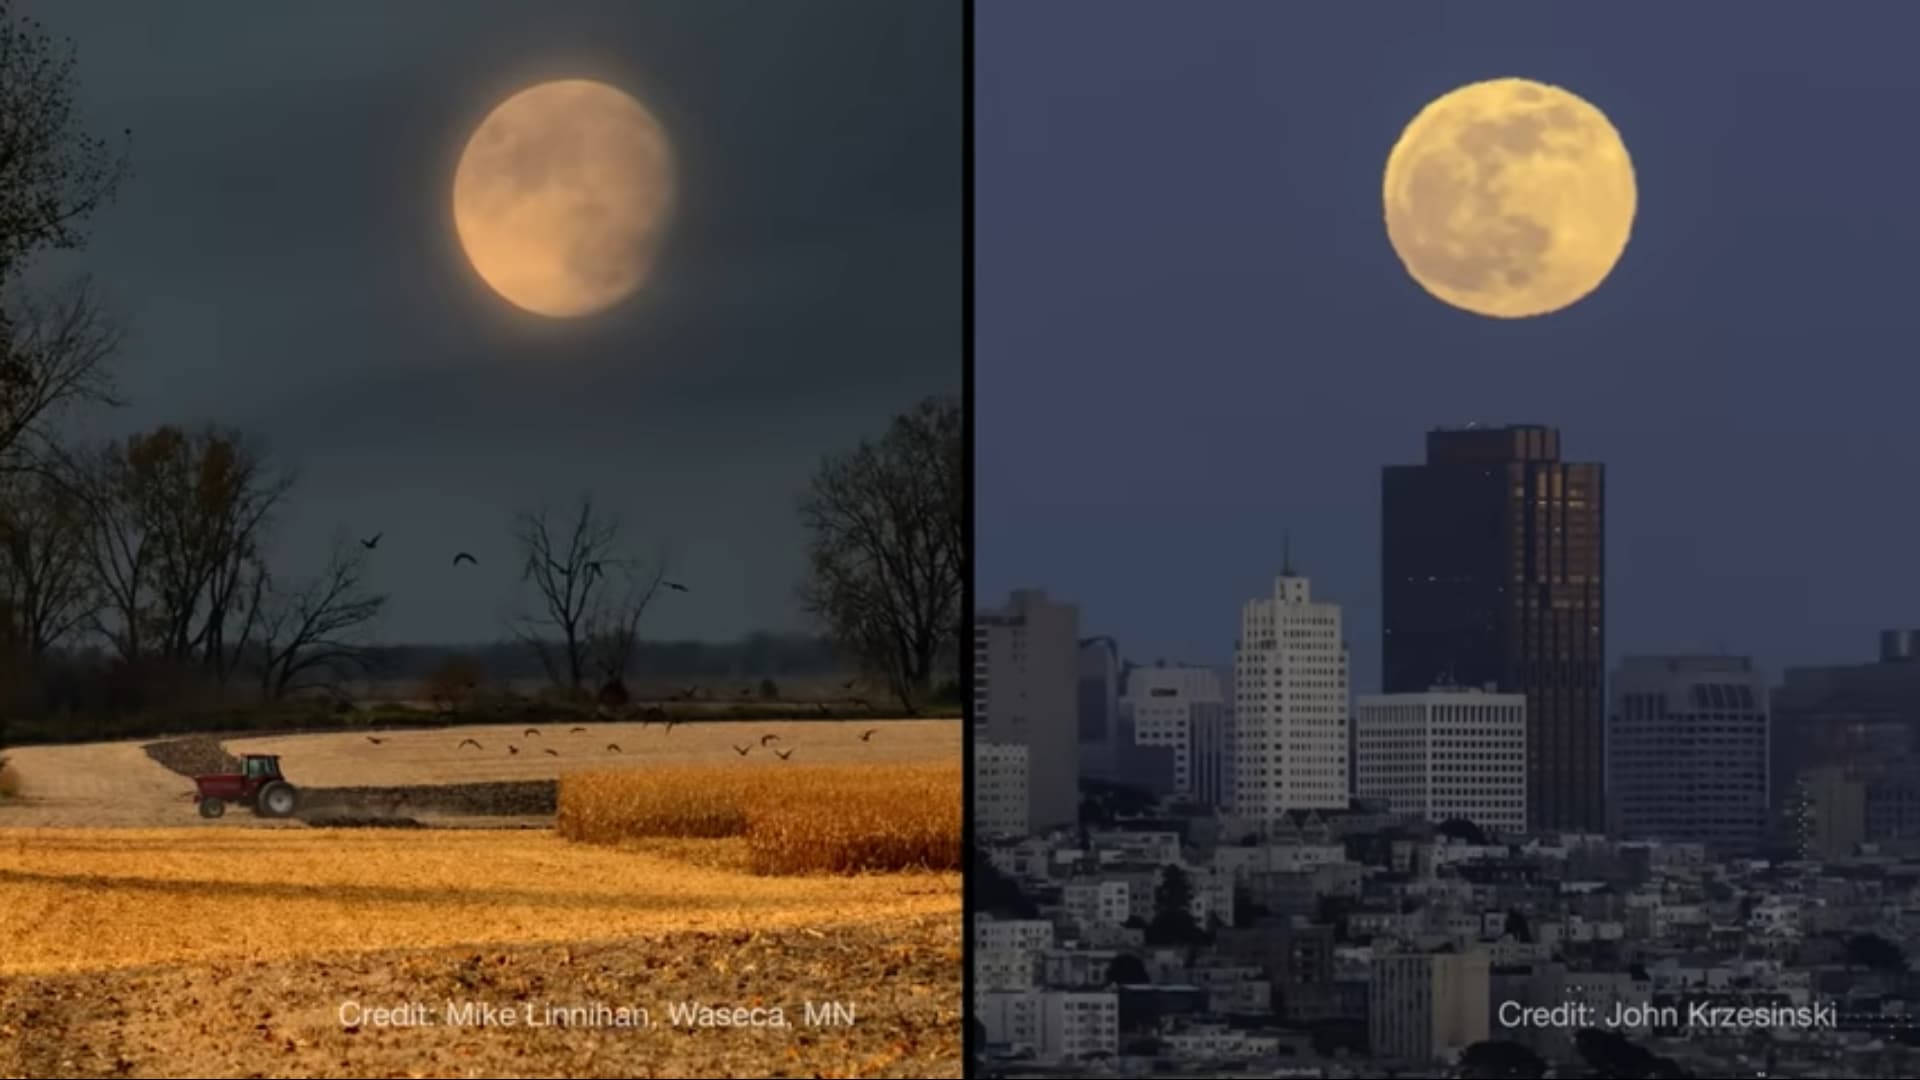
{"points": [[887, 549], [567, 564], [175, 521], [615, 633], [52, 173], [45, 577], [309, 636], [54, 349]]}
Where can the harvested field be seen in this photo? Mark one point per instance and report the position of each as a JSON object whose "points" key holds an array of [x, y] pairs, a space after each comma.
{"points": [[79, 899], [126, 784], [405, 758], [281, 1016]]}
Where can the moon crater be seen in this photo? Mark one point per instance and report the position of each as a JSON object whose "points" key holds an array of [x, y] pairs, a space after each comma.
{"points": [[1509, 198]]}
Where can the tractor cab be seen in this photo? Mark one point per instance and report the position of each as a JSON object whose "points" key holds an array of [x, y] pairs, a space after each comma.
{"points": [[260, 768]]}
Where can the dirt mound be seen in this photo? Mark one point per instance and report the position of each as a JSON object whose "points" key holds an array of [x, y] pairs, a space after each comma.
{"points": [[506, 798], [195, 755], [360, 821]]}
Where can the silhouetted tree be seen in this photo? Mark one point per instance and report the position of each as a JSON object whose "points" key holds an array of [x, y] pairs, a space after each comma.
{"points": [[1500, 1060], [175, 522], [1517, 926], [887, 546], [45, 581], [1462, 829], [565, 562], [1612, 1054], [309, 635], [1875, 953], [1173, 922], [1128, 970], [53, 175]]}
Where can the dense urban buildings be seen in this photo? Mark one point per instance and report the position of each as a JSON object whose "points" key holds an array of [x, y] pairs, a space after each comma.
{"points": [[1856, 722], [1492, 573], [1026, 692], [1255, 882], [1448, 753], [1290, 705], [1687, 751]]}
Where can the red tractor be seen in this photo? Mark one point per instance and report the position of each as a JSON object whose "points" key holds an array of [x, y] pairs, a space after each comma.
{"points": [[258, 784]]}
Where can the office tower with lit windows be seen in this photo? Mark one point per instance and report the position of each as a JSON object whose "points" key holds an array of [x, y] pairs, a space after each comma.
{"points": [[1492, 557]]}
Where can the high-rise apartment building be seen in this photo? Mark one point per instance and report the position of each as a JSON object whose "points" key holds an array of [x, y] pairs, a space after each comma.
{"points": [[1448, 753], [1027, 693], [1687, 751], [1492, 561], [1290, 705]]}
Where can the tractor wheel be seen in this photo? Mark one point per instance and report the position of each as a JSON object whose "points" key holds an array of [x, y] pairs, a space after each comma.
{"points": [[211, 807], [276, 800]]}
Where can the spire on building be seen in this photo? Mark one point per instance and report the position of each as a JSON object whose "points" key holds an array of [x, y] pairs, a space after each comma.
{"points": [[1286, 554]]}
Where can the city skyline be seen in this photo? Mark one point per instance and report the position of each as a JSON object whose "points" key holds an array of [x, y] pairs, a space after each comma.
{"points": [[1167, 401]]}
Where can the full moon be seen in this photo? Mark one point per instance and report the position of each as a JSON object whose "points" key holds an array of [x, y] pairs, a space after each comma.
{"points": [[1509, 198], [562, 195]]}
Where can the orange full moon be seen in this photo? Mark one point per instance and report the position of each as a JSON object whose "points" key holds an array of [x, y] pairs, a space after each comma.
{"points": [[562, 196]]}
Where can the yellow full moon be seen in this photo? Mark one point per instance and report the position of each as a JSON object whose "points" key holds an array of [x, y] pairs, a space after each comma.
{"points": [[562, 196], [1509, 198]]}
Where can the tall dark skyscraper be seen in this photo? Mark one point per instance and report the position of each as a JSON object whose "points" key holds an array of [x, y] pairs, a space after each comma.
{"points": [[1492, 565]]}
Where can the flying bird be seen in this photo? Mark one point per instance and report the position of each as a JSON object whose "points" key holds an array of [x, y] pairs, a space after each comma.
{"points": [[675, 586], [551, 753], [822, 706], [578, 731], [512, 749], [849, 684], [691, 692], [475, 743], [375, 741], [765, 739], [533, 731], [742, 750], [862, 703], [464, 557], [614, 747], [784, 754], [670, 724], [867, 735], [373, 543]]}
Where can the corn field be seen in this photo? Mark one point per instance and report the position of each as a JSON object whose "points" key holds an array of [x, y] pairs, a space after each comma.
{"points": [[822, 819]]}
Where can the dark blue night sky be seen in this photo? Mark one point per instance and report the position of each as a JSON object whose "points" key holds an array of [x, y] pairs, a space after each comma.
{"points": [[1193, 335]]}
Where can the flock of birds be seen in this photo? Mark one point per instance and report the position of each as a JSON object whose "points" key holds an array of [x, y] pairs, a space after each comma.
{"points": [[534, 732], [651, 715]]}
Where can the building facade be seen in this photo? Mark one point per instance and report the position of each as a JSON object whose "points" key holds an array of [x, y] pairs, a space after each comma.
{"points": [[1492, 573], [1169, 704], [1427, 1007], [1290, 705], [1687, 750], [1000, 791], [1447, 753], [1027, 693]]}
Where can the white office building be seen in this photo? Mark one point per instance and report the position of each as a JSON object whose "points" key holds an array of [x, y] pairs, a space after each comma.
{"points": [[1026, 670], [1290, 705], [1427, 1007], [1000, 790], [1447, 753], [1687, 751]]}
